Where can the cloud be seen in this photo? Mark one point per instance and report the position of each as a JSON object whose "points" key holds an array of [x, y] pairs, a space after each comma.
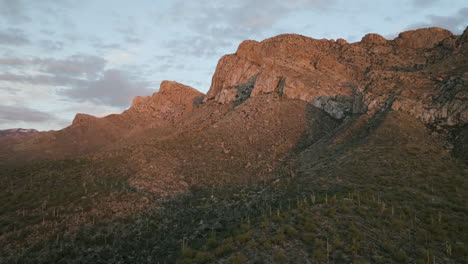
{"points": [[38, 79], [423, 3], [455, 23], [51, 45], [114, 88], [104, 46], [13, 62], [127, 27], [23, 11], [74, 66], [79, 78], [14, 113], [13, 11], [133, 40], [215, 25], [13, 36]]}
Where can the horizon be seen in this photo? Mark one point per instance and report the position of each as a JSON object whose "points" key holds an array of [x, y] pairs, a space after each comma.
{"points": [[61, 58]]}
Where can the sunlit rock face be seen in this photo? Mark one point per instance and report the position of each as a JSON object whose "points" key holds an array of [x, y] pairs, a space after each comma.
{"points": [[406, 73]]}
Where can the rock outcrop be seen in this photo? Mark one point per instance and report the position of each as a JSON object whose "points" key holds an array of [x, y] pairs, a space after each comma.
{"points": [[422, 38], [410, 71], [171, 101]]}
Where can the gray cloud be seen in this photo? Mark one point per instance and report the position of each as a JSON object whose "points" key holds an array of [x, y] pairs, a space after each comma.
{"points": [[22, 11], [83, 78], [9, 90], [423, 3], [127, 27], [13, 11], [13, 113], [40, 79], [101, 45], [114, 87], [13, 36], [13, 62], [133, 40], [74, 66], [52, 45], [216, 25], [455, 23]]}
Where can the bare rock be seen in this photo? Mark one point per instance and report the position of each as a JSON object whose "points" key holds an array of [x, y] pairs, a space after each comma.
{"points": [[422, 38], [344, 79], [373, 39]]}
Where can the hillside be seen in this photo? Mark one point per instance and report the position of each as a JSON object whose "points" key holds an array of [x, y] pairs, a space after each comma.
{"points": [[302, 151]]}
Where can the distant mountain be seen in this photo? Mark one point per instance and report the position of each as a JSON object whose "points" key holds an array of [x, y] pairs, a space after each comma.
{"points": [[16, 132]]}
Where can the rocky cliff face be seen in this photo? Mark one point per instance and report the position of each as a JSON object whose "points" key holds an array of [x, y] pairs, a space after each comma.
{"points": [[409, 73]]}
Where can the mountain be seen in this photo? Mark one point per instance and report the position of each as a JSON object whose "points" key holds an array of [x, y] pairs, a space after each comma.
{"points": [[303, 150], [16, 132]]}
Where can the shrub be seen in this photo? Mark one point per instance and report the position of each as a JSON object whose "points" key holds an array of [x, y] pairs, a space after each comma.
{"points": [[290, 231], [308, 238], [279, 257], [188, 253], [401, 256], [319, 255], [211, 243], [204, 257], [242, 238], [224, 249], [239, 258]]}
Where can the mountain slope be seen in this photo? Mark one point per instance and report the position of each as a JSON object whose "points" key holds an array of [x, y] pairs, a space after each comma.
{"points": [[334, 152], [88, 133]]}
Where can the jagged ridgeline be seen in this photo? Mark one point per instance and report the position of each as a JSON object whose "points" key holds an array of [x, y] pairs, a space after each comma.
{"points": [[302, 151]]}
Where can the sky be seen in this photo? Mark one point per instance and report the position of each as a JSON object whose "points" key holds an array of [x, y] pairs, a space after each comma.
{"points": [[62, 57]]}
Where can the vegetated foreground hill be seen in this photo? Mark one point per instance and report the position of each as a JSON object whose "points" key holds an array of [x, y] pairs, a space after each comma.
{"points": [[302, 151]]}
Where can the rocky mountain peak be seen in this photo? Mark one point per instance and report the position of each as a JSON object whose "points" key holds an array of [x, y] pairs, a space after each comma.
{"points": [[373, 39], [170, 95], [82, 119], [343, 78], [422, 38]]}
